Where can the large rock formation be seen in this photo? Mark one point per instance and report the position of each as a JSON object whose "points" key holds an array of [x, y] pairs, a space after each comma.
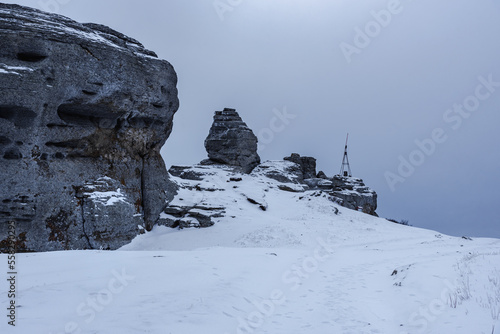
{"points": [[307, 164], [84, 111], [231, 142]]}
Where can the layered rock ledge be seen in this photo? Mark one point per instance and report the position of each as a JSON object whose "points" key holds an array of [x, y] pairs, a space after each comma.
{"points": [[231, 142], [84, 112]]}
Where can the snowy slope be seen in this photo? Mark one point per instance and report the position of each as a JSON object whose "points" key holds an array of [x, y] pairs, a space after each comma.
{"points": [[304, 265]]}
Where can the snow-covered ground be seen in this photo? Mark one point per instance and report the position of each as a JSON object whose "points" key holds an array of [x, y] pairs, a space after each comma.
{"points": [[304, 265]]}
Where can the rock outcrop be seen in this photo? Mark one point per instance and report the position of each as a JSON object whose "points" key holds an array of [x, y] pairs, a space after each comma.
{"points": [[196, 203], [206, 192], [231, 142], [298, 174], [354, 194], [84, 111], [307, 164]]}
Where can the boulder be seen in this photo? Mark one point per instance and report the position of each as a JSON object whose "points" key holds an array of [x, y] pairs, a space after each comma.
{"points": [[307, 164], [84, 111], [231, 142]]}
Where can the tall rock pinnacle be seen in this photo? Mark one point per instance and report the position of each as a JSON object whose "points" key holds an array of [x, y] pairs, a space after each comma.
{"points": [[231, 142]]}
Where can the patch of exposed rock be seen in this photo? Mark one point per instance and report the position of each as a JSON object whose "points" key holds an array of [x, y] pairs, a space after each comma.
{"points": [[84, 111], [307, 164], [197, 203], [354, 194], [231, 142]]}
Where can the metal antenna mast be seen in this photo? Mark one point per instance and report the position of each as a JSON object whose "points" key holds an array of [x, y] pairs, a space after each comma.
{"points": [[345, 169]]}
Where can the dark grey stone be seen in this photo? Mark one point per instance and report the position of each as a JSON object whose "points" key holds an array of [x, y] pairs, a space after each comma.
{"points": [[317, 183], [321, 175], [80, 103], [231, 142], [354, 194], [307, 164], [185, 172]]}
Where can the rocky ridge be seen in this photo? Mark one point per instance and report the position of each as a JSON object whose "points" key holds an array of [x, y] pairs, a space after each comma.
{"points": [[201, 187]]}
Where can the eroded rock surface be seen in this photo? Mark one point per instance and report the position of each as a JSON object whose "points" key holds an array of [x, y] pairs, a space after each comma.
{"points": [[354, 194], [84, 111], [307, 164], [231, 142], [206, 193]]}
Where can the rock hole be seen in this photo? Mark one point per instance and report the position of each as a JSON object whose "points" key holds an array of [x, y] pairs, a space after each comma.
{"points": [[65, 144], [145, 122], [4, 140], [20, 116], [31, 57], [13, 154], [88, 115], [88, 92], [52, 125]]}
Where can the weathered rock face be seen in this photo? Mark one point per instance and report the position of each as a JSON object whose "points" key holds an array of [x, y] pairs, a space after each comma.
{"points": [[231, 142], [307, 164], [354, 194], [84, 111], [196, 203]]}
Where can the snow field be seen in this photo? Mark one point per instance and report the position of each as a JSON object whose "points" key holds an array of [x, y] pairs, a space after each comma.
{"points": [[297, 267]]}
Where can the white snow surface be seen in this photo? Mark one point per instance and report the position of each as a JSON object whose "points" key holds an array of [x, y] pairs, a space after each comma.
{"points": [[108, 197], [295, 268]]}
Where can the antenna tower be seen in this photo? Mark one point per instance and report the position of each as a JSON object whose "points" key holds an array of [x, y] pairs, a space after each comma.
{"points": [[345, 169]]}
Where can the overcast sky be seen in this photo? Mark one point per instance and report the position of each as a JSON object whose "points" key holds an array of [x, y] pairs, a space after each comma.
{"points": [[415, 83]]}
